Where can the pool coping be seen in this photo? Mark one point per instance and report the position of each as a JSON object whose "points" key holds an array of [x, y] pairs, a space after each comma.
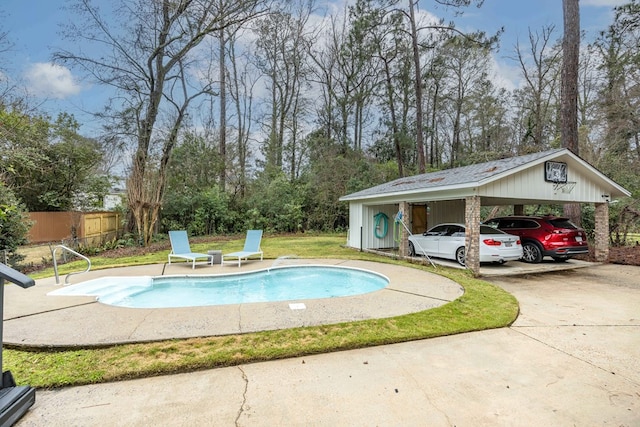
{"points": [[34, 319]]}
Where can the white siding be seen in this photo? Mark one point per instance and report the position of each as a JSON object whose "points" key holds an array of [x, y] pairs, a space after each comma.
{"points": [[362, 220], [585, 190], [530, 184], [355, 223], [369, 239], [445, 211]]}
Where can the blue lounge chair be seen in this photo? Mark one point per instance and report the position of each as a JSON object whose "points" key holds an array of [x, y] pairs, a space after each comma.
{"points": [[251, 247], [180, 248]]}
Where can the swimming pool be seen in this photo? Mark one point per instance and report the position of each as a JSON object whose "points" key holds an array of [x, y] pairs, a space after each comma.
{"points": [[288, 283]]}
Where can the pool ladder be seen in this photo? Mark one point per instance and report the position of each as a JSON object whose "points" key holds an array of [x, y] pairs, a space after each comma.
{"points": [[55, 263]]}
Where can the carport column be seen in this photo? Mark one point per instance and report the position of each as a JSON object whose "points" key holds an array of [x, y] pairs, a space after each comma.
{"points": [[472, 238], [404, 235], [601, 231]]}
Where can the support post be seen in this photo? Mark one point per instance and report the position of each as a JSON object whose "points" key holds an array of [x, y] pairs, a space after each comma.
{"points": [[403, 250], [472, 236], [601, 231]]}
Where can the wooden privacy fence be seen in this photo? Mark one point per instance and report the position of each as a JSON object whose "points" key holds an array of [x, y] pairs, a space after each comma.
{"points": [[91, 228]]}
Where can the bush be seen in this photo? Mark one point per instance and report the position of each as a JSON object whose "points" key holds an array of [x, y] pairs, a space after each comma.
{"points": [[200, 213], [277, 205], [14, 225]]}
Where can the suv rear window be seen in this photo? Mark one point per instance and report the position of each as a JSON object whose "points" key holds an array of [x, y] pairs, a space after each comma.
{"points": [[517, 223], [528, 223], [562, 223]]}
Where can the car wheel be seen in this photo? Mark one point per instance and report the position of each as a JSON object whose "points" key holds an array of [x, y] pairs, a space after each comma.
{"points": [[560, 258], [460, 255], [531, 252], [412, 250]]}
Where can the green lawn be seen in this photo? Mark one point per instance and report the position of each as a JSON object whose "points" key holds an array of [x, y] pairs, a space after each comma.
{"points": [[483, 306], [633, 238]]}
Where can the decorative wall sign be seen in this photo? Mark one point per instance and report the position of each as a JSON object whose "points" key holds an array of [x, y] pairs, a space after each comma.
{"points": [[555, 172]]}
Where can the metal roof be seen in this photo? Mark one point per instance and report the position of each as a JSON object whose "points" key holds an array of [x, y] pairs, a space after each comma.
{"points": [[472, 175]]}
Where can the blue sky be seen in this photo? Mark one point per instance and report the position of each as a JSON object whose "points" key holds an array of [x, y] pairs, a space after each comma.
{"points": [[33, 28]]}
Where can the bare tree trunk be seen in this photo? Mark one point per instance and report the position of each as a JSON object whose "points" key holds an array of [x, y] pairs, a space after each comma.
{"points": [[569, 89], [541, 83], [223, 113], [394, 120], [433, 155], [569, 86], [150, 186], [455, 140], [243, 109], [418, 86]]}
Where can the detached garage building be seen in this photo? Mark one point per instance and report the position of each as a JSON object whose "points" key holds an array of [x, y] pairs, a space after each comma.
{"points": [[456, 195]]}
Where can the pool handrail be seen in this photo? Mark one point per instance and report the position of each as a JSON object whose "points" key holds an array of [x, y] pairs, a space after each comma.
{"points": [[55, 263]]}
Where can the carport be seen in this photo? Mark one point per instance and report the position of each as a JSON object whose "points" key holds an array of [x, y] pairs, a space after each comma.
{"points": [[457, 195]]}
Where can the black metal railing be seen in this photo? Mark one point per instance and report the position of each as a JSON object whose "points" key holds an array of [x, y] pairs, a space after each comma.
{"points": [[14, 400]]}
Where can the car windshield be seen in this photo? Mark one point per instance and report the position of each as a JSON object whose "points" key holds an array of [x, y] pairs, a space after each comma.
{"points": [[562, 223]]}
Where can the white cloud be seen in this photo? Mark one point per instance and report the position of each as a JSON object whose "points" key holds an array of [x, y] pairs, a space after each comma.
{"points": [[603, 3], [504, 75], [51, 80]]}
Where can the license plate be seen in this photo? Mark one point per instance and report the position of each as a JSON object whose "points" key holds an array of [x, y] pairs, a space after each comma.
{"points": [[508, 244], [578, 238]]}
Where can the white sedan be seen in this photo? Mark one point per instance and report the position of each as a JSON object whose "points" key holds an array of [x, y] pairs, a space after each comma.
{"points": [[448, 241]]}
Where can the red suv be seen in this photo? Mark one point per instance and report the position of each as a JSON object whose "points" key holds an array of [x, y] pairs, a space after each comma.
{"points": [[542, 236]]}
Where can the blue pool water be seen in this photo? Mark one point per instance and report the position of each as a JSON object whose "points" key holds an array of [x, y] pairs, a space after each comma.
{"points": [[276, 284]]}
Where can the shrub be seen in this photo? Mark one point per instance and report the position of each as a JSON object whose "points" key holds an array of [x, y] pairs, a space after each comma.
{"points": [[14, 225]]}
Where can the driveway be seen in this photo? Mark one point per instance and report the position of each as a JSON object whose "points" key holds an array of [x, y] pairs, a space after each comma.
{"points": [[591, 314], [571, 358]]}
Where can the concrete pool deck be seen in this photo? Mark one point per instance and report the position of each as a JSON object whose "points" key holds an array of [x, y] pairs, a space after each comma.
{"points": [[34, 319], [572, 358]]}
